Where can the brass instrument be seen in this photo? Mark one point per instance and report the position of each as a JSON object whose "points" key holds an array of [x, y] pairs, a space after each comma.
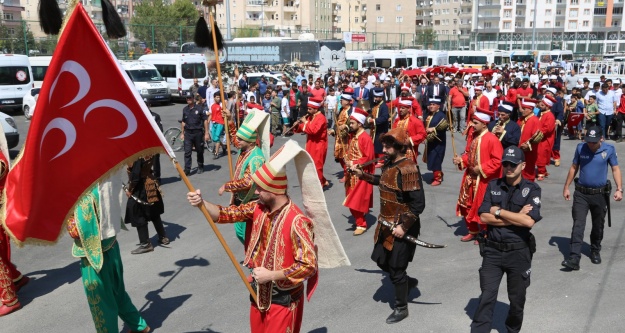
{"points": [[374, 114], [501, 124]]}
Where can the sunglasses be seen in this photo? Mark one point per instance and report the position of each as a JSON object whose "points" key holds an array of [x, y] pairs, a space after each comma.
{"points": [[509, 164]]}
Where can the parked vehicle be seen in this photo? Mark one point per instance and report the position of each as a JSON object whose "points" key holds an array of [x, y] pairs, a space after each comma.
{"points": [[39, 66], [148, 81], [16, 78], [30, 100], [179, 70], [10, 130], [359, 60]]}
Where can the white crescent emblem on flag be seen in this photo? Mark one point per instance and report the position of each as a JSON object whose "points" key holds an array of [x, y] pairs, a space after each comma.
{"points": [[121, 108], [67, 128], [84, 81]]}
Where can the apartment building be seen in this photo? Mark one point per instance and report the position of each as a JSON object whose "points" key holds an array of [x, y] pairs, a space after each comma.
{"points": [[445, 17], [579, 25], [11, 14], [285, 16]]}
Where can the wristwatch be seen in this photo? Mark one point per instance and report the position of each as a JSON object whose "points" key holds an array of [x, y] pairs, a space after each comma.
{"points": [[498, 213], [619, 190]]}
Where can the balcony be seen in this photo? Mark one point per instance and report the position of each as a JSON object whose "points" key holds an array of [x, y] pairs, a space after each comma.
{"points": [[256, 3], [489, 5], [290, 9]]}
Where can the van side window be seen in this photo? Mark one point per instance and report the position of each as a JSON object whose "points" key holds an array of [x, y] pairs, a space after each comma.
{"points": [[14, 75], [195, 70], [39, 72], [166, 70]]}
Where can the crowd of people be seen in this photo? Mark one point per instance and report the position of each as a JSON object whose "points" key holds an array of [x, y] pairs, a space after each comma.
{"points": [[505, 127]]}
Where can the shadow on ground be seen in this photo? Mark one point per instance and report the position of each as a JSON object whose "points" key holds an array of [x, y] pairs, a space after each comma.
{"points": [[499, 315], [51, 280]]}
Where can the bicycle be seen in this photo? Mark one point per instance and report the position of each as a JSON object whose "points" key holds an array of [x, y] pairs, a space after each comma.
{"points": [[172, 135]]}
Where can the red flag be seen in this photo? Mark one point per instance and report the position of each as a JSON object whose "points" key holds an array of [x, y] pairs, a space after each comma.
{"points": [[89, 120]]}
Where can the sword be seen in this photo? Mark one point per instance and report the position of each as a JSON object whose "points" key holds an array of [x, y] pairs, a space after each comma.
{"points": [[412, 239], [125, 187]]}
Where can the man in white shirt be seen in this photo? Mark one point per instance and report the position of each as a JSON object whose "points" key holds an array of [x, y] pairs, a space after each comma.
{"points": [[490, 93], [210, 93], [534, 77]]}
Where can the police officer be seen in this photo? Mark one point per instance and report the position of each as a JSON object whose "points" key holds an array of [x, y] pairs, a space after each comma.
{"points": [[592, 193], [510, 208], [194, 133]]}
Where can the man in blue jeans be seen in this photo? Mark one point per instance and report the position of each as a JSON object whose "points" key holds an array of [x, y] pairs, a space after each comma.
{"points": [[606, 102]]}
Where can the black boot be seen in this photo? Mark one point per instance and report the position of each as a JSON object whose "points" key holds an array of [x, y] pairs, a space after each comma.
{"points": [[401, 304], [143, 248]]}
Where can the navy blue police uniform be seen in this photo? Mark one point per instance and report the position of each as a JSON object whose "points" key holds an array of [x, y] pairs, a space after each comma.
{"points": [[193, 118], [506, 249], [592, 191]]}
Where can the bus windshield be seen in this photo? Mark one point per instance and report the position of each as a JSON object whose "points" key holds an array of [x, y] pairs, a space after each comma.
{"points": [[383, 63], [352, 64]]}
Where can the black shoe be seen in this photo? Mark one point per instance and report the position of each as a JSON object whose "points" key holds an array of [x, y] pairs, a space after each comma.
{"points": [[143, 248], [200, 169], [571, 264], [400, 313], [164, 241], [595, 257], [187, 172], [619, 140]]}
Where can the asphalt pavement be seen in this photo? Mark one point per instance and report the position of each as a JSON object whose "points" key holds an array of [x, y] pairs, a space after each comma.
{"points": [[191, 285]]}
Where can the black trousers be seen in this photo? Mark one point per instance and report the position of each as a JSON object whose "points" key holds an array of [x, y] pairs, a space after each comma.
{"points": [[156, 165], [144, 234], [193, 138], [517, 266], [582, 203], [620, 118]]}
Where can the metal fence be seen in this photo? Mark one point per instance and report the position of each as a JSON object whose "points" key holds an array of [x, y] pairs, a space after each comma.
{"points": [[18, 37]]}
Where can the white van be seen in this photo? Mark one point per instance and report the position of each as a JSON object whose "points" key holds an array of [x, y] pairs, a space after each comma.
{"points": [[39, 66], [179, 70], [359, 60], [148, 81], [16, 78]]}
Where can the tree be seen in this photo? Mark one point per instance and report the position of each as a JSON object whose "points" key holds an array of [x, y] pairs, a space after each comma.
{"points": [[426, 38], [16, 38], [158, 25], [246, 32]]}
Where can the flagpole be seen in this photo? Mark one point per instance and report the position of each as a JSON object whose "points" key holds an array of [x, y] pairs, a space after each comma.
{"points": [[221, 89], [451, 127], [216, 231]]}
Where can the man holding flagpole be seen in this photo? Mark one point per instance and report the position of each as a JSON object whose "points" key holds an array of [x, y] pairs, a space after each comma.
{"points": [[283, 252]]}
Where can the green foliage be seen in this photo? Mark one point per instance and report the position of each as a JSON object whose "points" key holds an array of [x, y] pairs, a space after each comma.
{"points": [[160, 25], [16, 38], [246, 32]]}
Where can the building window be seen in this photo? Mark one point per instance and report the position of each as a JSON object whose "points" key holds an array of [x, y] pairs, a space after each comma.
{"points": [[617, 10], [487, 25], [377, 7], [234, 17], [549, 2], [507, 25], [355, 20], [398, 7], [380, 19], [547, 24], [586, 12], [586, 23], [548, 12], [558, 12], [615, 23], [574, 2], [507, 13], [399, 19], [558, 24], [601, 11], [573, 13], [8, 16], [572, 24], [11, 31], [507, 3], [356, 8]]}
